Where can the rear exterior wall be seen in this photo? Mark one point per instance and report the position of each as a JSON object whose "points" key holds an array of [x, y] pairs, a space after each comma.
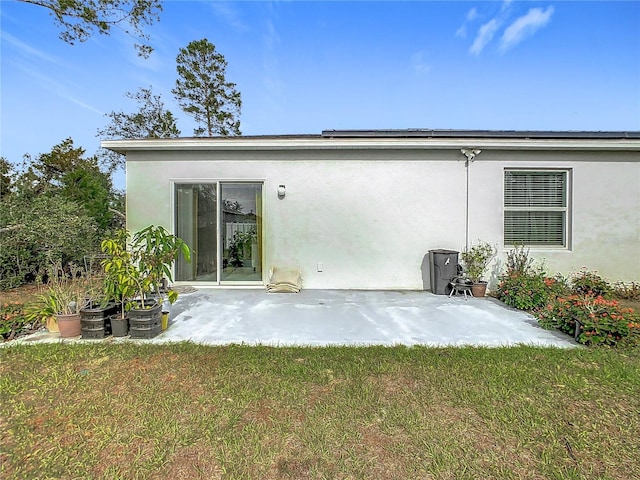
{"points": [[370, 217]]}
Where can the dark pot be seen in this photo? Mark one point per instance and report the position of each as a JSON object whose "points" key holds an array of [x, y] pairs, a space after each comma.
{"points": [[151, 309], [119, 326]]}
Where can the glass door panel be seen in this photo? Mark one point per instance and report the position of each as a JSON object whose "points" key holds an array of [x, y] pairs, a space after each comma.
{"points": [[196, 224], [241, 232]]}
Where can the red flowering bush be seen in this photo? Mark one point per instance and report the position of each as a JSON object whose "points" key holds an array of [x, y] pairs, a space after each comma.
{"points": [[590, 283], [592, 320]]}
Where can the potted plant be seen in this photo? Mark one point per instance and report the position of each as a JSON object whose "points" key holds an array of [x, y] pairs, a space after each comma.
{"points": [[95, 316], [156, 250], [65, 294], [123, 280], [137, 275], [476, 259]]}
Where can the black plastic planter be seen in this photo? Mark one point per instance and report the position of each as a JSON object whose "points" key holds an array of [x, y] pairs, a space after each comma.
{"points": [[95, 322], [145, 322]]}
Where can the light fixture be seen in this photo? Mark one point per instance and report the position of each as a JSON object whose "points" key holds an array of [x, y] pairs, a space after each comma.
{"points": [[281, 191], [470, 153]]}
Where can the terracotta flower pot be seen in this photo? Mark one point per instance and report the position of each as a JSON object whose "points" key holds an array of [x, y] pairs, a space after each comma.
{"points": [[479, 289], [69, 325]]}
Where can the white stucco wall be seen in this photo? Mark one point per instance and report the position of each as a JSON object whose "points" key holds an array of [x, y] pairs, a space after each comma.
{"points": [[370, 217], [604, 230], [368, 221]]}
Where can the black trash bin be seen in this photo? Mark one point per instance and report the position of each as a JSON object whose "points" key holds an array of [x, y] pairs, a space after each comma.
{"points": [[443, 265]]}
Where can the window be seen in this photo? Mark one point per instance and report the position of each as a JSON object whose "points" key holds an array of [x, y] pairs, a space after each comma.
{"points": [[536, 207]]}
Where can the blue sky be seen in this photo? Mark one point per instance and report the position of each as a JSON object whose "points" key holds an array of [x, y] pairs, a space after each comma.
{"points": [[303, 66]]}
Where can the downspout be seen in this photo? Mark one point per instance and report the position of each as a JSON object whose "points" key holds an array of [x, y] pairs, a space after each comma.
{"points": [[471, 155]]}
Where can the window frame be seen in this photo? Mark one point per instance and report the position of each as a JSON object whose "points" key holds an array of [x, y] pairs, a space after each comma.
{"points": [[565, 209]]}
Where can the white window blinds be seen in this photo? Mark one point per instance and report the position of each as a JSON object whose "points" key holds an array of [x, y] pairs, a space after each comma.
{"points": [[535, 207]]}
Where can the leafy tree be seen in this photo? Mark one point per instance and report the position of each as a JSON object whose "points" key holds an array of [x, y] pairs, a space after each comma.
{"points": [[152, 120], [57, 209], [65, 172], [5, 177], [203, 92], [79, 19]]}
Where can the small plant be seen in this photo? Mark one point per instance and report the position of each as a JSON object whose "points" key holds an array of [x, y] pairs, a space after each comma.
{"points": [[477, 258], [589, 283], [123, 280], [518, 260], [598, 321], [64, 292], [14, 320]]}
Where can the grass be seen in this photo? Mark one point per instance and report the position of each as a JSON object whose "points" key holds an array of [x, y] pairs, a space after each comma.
{"points": [[238, 412]]}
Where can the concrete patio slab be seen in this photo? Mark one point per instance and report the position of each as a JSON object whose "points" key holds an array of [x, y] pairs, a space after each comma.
{"points": [[351, 317], [340, 317]]}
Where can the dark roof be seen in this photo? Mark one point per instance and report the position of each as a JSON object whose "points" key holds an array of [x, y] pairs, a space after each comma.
{"points": [[428, 133]]}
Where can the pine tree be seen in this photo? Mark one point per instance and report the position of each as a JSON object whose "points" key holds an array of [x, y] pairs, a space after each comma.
{"points": [[203, 92]]}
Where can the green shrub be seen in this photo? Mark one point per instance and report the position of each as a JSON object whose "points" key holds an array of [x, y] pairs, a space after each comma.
{"points": [[599, 321], [529, 291], [526, 286], [591, 284], [42, 230]]}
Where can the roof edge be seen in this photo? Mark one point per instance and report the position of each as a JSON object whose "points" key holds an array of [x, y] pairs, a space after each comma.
{"points": [[522, 134]]}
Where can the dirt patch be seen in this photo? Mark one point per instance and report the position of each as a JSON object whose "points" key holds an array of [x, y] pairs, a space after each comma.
{"points": [[193, 461], [23, 294]]}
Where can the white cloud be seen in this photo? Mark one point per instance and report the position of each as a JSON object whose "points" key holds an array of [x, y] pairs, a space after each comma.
{"points": [[471, 16], [485, 34], [274, 87], [226, 11], [271, 37], [59, 87], [420, 66], [462, 32], [28, 50], [525, 26], [505, 5]]}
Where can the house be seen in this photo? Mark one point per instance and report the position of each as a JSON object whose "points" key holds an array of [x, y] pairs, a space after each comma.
{"points": [[361, 209]]}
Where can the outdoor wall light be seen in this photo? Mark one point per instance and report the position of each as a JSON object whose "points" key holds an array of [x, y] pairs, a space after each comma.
{"points": [[471, 154], [281, 191]]}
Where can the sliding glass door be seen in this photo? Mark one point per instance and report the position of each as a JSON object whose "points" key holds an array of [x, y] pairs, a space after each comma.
{"points": [[225, 235], [241, 225]]}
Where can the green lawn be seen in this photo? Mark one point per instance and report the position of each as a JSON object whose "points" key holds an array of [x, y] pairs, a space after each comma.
{"points": [[186, 411]]}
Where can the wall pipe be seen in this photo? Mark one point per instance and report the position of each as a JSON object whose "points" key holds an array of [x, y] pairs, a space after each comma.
{"points": [[470, 153]]}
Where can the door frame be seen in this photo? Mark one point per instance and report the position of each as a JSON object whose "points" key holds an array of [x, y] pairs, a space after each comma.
{"points": [[219, 283]]}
